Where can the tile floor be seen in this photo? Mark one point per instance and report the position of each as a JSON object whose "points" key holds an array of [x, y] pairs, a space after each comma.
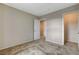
{"points": [[42, 48]]}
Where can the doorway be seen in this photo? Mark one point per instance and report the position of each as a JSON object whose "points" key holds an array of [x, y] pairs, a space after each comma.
{"points": [[42, 30], [70, 27]]}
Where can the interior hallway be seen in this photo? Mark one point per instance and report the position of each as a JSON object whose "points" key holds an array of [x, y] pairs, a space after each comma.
{"points": [[38, 47]]}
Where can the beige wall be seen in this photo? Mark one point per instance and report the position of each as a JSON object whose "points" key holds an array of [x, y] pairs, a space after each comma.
{"points": [[17, 27]]}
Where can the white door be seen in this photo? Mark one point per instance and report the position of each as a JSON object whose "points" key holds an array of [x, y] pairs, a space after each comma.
{"points": [[36, 29], [54, 30]]}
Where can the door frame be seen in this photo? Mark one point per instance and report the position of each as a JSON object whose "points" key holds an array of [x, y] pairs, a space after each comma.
{"points": [[63, 28]]}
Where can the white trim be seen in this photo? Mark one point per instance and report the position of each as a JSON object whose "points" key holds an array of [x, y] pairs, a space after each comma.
{"points": [[63, 29]]}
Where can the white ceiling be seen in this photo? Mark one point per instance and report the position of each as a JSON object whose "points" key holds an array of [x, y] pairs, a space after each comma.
{"points": [[39, 9]]}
